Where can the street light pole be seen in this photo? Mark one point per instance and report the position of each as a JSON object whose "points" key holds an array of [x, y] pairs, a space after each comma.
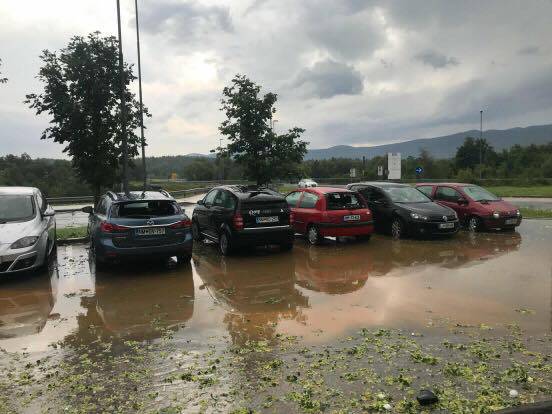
{"points": [[143, 141], [481, 145], [123, 103]]}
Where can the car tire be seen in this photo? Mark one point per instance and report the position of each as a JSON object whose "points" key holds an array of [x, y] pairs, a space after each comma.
{"points": [[364, 238], [184, 259], [474, 224], [196, 232], [313, 235], [286, 247], [225, 245], [397, 228]]}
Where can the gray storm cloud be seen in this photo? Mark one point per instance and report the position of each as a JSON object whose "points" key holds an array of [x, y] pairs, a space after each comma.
{"points": [[329, 78]]}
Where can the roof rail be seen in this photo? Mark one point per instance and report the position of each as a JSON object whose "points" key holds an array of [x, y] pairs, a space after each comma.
{"points": [[112, 195]]}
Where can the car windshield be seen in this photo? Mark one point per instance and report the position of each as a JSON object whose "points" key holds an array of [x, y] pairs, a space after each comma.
{"points": [[146, 209], [16, 208], [477, 193], [406, 195], [342, 201]]}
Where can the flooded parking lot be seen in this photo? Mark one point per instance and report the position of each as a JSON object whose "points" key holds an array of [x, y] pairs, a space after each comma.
{"points": [[147, 322]]}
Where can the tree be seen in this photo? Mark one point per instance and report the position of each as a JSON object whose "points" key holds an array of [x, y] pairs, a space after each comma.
{"points": [[82, 95], [253, 144], [468, 155], [2, 80]]}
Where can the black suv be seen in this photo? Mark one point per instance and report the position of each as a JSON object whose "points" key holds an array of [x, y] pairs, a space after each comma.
{"points": [[404, 210], [236, 216]]}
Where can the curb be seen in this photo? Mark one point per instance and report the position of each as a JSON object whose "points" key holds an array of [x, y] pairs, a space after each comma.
{"points": [[544, 407], [75, 240]]}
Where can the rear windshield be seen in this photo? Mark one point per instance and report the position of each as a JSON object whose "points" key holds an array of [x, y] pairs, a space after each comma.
{"points": [[343, 201], [16, 208], [146, 209]]}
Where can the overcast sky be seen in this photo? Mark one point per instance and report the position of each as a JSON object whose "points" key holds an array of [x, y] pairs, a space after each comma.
{"points": [[356, 72]]}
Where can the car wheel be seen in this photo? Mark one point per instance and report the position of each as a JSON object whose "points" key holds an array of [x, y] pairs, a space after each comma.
{"points": [[474, 224], [184, 258], [397, 228], [364, 238], [285, 247], [313, 235], [225, 244], [196, 233]]}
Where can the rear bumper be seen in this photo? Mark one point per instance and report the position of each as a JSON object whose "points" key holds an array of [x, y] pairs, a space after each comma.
{"points": [[492, 223], [263, 235], [363, 228], [432, 228], [105, 248]]}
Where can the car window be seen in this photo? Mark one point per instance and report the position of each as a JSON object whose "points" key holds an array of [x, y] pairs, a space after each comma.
{"points": [[146, 209], [372, 194], [225, 199], [16, 208], [101, 209], [293, 198], [477, 193], [447, 194], [406, 195], [426, 189], [343, 200], [308, 201], [210, 198], [41, 202]]}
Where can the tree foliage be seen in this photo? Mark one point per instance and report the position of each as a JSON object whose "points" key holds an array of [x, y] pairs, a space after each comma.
{"points": [[253, 144], [474, 152], [82, 96]]}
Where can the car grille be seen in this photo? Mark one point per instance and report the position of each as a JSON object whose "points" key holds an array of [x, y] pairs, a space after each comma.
{"points": [[4, 266], [440, 219], [20, 265]]}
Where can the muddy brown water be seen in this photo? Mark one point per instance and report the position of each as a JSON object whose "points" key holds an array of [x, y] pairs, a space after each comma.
{"points": [[318, 293]]}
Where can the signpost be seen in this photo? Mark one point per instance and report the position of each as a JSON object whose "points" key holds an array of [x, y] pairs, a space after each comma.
{"points": [[380, 170], [419, 170], [352, 172], [394, 166]]}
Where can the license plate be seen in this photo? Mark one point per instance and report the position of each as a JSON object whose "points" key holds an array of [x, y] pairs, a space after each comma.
{"points": [[273, 219], [152, 231], [446, 225], [354, 217], [510, 221]]}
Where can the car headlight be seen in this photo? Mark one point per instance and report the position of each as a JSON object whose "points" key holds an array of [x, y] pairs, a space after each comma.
{"points": [[24, 242], [518, 213], [417, 216], [496, 215], [455, 215]]}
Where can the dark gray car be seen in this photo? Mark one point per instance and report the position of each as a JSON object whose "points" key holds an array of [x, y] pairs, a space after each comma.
{"points": [[141, 224]]}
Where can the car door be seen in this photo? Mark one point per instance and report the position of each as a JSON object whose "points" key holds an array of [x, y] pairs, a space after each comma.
{"points": [[293, 199], [305, 212], [205, 211], [222, 210], [378, 204], [450, 197], [99, 214]]}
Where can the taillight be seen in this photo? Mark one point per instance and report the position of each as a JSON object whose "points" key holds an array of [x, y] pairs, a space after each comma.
{"points": [[181, 224], [106, 227], [291, 218], [237, 221]]}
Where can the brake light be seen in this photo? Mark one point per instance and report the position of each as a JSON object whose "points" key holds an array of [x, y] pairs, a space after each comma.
{"points": [[106, 227], [291, 218], [181, 224], [237, 221]]}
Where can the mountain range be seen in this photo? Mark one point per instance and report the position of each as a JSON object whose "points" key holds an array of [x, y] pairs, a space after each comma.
{"points": [[441, 147]]}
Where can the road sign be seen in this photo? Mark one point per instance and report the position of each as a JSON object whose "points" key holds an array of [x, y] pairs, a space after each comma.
{"points": [[394, 166], [352, 172], [380, 170], [419, 170]]}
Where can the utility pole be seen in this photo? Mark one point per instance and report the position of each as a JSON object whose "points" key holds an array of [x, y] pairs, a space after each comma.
{"points": [[481, 145], [221, 160], [140, 95], [123, 103]]}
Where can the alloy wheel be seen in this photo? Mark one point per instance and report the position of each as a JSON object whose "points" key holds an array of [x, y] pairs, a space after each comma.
{"points": [[223, 244], [473, 224], [196, 234], [313, 235], [396, 229]]}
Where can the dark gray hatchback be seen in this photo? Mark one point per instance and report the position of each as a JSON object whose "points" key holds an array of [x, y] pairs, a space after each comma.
{"points": [[139, 225]]}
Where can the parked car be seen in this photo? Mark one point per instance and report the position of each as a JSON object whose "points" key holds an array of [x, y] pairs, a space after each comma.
{"points": [[27, 229], [237, 216], [140, 224], [329, 212], [403, 210], [476, 207], [306, 183]]}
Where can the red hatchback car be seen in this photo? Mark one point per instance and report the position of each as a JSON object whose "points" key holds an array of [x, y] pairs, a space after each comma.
{"points": [[476, 207], [330, 212]]}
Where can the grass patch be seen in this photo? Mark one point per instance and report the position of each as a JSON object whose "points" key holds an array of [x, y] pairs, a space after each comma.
{"points": [[528, 191], [535, 213], [72, 232]]}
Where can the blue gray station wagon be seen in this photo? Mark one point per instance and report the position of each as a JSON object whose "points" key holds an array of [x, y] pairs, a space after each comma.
{"points": [[140, 224]]}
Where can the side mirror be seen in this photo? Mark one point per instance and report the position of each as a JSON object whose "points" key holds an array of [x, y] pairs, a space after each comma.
{"points": [[462, 200], [88, 210], [200, 202], [49, 212]]}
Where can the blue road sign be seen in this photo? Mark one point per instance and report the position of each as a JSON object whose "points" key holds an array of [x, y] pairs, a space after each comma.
{"points": [[419, 170]]}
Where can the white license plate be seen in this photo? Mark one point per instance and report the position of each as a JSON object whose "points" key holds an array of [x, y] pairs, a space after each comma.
{"points": [[510, 221], [263, 220], [152, 231], [446, 225], [354, 217]]}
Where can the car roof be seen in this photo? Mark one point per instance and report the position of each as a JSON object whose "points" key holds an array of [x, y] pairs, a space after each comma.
{"points": [[381, 184], [18, 190], [446, 184], [139, 196], [245, 191], [325, 190]]}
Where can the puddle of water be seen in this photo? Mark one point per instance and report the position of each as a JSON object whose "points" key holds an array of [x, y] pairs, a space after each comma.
{"points": [[318, 293]]}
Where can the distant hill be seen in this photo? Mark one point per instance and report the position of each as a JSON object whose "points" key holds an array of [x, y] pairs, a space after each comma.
{"points": [[441, 147]]}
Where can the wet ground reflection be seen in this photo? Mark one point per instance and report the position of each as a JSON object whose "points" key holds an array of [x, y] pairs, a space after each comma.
{"points": [[316, 293]]}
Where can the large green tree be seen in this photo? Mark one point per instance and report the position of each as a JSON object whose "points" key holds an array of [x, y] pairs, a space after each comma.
{"points": [[470, 153], [82, 93], [2, 80], [253, 144]]}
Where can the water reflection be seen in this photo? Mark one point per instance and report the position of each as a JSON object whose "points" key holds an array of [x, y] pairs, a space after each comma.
{"points": [[256, 293]]}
